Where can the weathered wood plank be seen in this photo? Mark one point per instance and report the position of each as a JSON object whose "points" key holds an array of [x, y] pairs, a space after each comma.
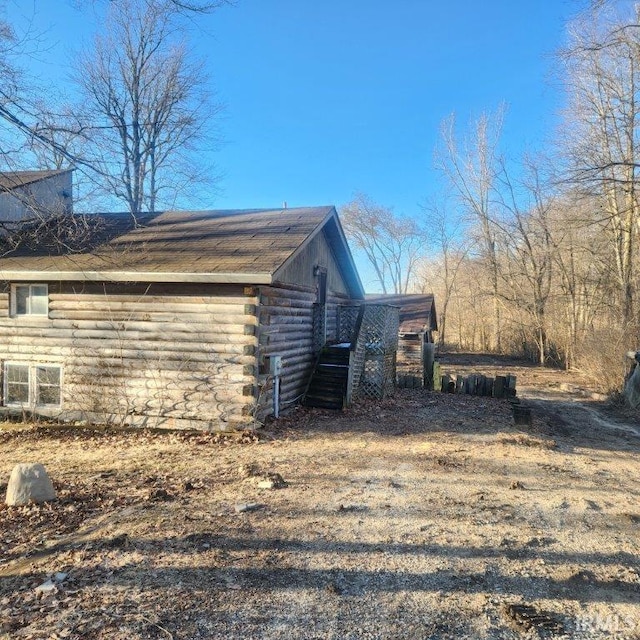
{"points": [[499, 385], [141, 306], [292, 293], [158, 315], [222, 325], [214, 334], [91, 350]]}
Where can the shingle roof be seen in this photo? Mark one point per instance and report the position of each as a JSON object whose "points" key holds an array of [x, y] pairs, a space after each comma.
{"points": [[245, 241], [417, 311], [232, 242], [12, 179]]}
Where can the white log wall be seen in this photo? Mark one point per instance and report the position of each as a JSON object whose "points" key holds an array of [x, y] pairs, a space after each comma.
{"points": [[176, 354]]}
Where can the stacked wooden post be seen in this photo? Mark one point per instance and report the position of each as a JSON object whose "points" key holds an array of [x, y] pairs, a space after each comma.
{"points": [[477, 385]]}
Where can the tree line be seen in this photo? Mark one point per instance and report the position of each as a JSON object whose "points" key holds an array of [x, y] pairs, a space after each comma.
{"points": [[537, 257]]}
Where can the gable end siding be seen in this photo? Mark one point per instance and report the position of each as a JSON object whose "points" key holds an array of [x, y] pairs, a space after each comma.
{"points": [[317, 253]]}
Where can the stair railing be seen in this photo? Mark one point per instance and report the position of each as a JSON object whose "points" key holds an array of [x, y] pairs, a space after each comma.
{"points": [[310, 376]]}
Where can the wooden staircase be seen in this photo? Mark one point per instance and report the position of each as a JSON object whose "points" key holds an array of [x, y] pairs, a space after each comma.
{"points": [[328, 384]]}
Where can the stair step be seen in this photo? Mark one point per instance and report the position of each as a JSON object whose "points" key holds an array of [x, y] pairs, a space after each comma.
{"points": [[335, 349], [328, 384], [323, 394], [323, 403], [340, 373], [321, 389], [323, 378], [342, 354], [338, 362]]}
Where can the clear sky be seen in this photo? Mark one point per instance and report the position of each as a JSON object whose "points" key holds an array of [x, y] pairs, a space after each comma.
{"points": [[325, 98], [328, 97]]}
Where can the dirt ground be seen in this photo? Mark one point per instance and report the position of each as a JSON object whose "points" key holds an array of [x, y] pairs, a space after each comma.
{"points": [[425, 515]]}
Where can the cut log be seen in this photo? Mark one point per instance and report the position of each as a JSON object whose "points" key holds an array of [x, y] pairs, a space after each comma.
{"points": [[488, 387], [437, 377], [499, 386], [522, 414]]}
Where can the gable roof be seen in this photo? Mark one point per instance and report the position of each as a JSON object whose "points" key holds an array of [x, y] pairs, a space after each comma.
{"points": [[10, 180], [227, 246], [417, 311]]}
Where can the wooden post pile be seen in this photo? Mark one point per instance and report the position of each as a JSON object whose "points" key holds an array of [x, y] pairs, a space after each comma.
{"points": [[478, 385]]}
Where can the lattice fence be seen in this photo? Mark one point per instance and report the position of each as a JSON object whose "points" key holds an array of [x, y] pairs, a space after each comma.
{"points": [[319, 326], [347, 319], [379, 333], [373, 347]]}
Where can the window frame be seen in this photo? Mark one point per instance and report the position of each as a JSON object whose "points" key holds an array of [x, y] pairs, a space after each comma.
{"points": [[33, 385], [30, 286]]}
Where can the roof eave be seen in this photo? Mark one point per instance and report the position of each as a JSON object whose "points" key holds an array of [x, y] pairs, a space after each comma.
{"points": [[136, 276], [49, 174]]}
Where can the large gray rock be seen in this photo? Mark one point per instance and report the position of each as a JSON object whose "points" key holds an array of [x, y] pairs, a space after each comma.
{"points": [[29, 483]]}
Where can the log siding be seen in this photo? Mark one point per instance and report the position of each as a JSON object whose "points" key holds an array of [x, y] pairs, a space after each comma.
{"points": [[286, 329], [181, 336], [154, 355]]}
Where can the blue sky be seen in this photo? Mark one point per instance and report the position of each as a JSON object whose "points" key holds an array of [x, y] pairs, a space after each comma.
{"points": [[326, 98], [323, 99]]}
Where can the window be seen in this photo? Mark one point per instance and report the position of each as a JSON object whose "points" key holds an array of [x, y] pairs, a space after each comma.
{"points": [[47, 386], [30, 300], [32, 385], [16, 390]]}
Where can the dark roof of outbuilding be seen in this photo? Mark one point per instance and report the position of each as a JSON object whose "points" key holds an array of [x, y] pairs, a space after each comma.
{"points": [[249, 246], [13, 179], [417, 310]]}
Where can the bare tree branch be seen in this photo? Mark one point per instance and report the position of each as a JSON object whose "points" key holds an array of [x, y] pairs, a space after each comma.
{"points": [[144, 106], [391, 244]]}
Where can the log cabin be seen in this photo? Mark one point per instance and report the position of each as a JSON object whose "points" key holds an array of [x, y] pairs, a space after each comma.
{"points": [[176, 319]]}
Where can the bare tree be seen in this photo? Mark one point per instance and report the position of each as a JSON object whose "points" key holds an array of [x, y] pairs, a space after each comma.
{"points": [[392, 244], [472, 172], [16, 96], [180, 6], [527, 247], [581, 275], [144, 106], [602, 68], [451, 247]]}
